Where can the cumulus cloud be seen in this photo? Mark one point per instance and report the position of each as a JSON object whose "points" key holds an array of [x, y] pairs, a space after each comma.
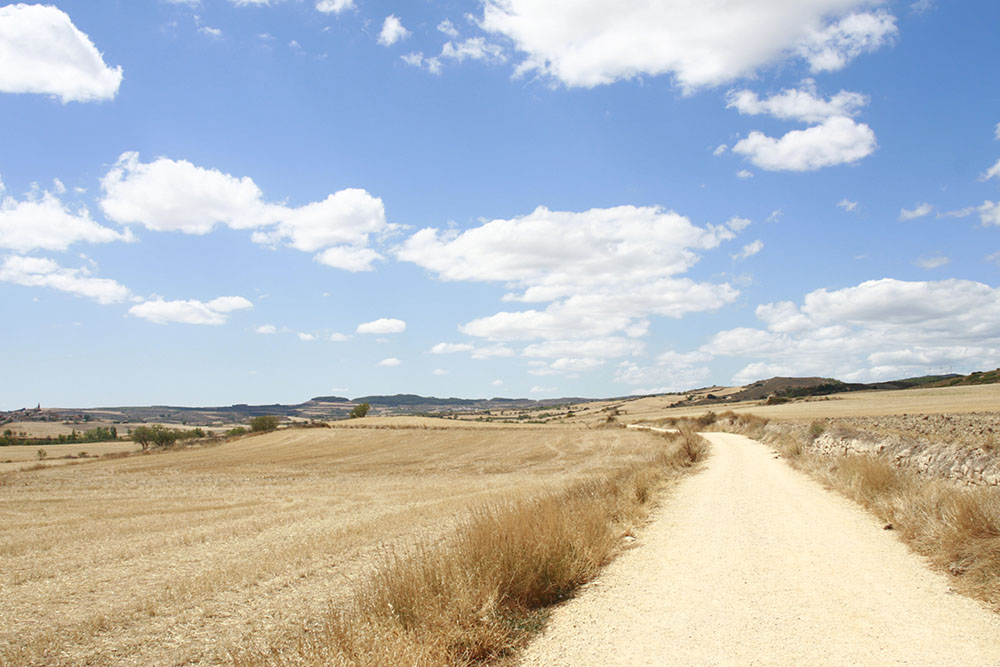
{"points": [[41, 51], [214, 33], [176, 195], [832, 47], [43, 272], [390, 362], [918, 212], [266, 329], [848, 205], [383, 325], [589, 43], [213, 312], [875, 330], [601, 272], [339, 337], [749, 250], [306, 337], [800, 104], [392, 31], [992, 172], [473, 48], [334, 6], [989, 213], [744, 174], [493, 351], [837, 140], [43, 222], [448, 28]]}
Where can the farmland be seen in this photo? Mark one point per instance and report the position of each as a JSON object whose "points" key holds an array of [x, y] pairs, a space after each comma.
{"points": [[197, 555]]}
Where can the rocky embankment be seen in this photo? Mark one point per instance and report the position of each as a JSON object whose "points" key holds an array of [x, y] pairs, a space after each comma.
{"points": [[961, 447]]}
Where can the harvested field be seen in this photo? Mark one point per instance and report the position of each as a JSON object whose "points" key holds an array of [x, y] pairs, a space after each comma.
{"points": [[197, 555], [941, 400], [17, 457]]}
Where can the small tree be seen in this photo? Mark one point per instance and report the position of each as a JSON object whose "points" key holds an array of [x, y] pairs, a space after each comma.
{"points": [[360, 410], [263, 423]]}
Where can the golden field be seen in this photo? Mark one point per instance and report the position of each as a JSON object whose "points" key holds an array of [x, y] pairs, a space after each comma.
{"points": [[940, 400], [198, 555]]}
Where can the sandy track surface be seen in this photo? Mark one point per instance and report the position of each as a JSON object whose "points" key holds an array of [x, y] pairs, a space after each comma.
{"points": [[752, 563]]}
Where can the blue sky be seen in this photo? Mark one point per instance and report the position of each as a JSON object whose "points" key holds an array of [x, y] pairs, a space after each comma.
{"points": [[229, 201]]}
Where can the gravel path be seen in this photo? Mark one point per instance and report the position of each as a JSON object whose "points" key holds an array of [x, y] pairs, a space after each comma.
{"points": [[752, 563]]}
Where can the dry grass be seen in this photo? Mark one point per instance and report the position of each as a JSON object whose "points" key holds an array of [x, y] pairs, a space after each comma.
{"points": [[478, 596], [196, 555]]}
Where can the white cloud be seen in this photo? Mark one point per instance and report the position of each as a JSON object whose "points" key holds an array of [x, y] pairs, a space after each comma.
{"points": [[41, 51], [600, 348], [334, 6], [912, 214], [602, 271], [339, 337], [671, 372], [439, 371], [448, 28], [878, 329], [496, 383], [382, 325], [992, 172], [491, 351], [997, 132], [542, 390], [744, 174], [797, 104], [392, 31], [44, 222], [306, 337], [989, 213], [214, 33], [837, 140], [588, 43], [473, 48], [831, 48], [995, 258], [749, 249], [719, 150], [176, 195], [41, 272], [932, 262], [390, 362], [266, 329], [450, 348], [213, 312], [848, 205]]}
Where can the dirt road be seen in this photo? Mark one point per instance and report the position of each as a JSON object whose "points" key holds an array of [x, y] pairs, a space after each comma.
{"points": [[752, 563]]}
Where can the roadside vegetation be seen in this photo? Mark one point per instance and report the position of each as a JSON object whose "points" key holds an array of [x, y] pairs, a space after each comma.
{"points": [[956, 527], [481, 594]]}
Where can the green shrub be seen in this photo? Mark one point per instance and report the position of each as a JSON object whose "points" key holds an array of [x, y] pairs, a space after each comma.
{"points": [[263, 423]]}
